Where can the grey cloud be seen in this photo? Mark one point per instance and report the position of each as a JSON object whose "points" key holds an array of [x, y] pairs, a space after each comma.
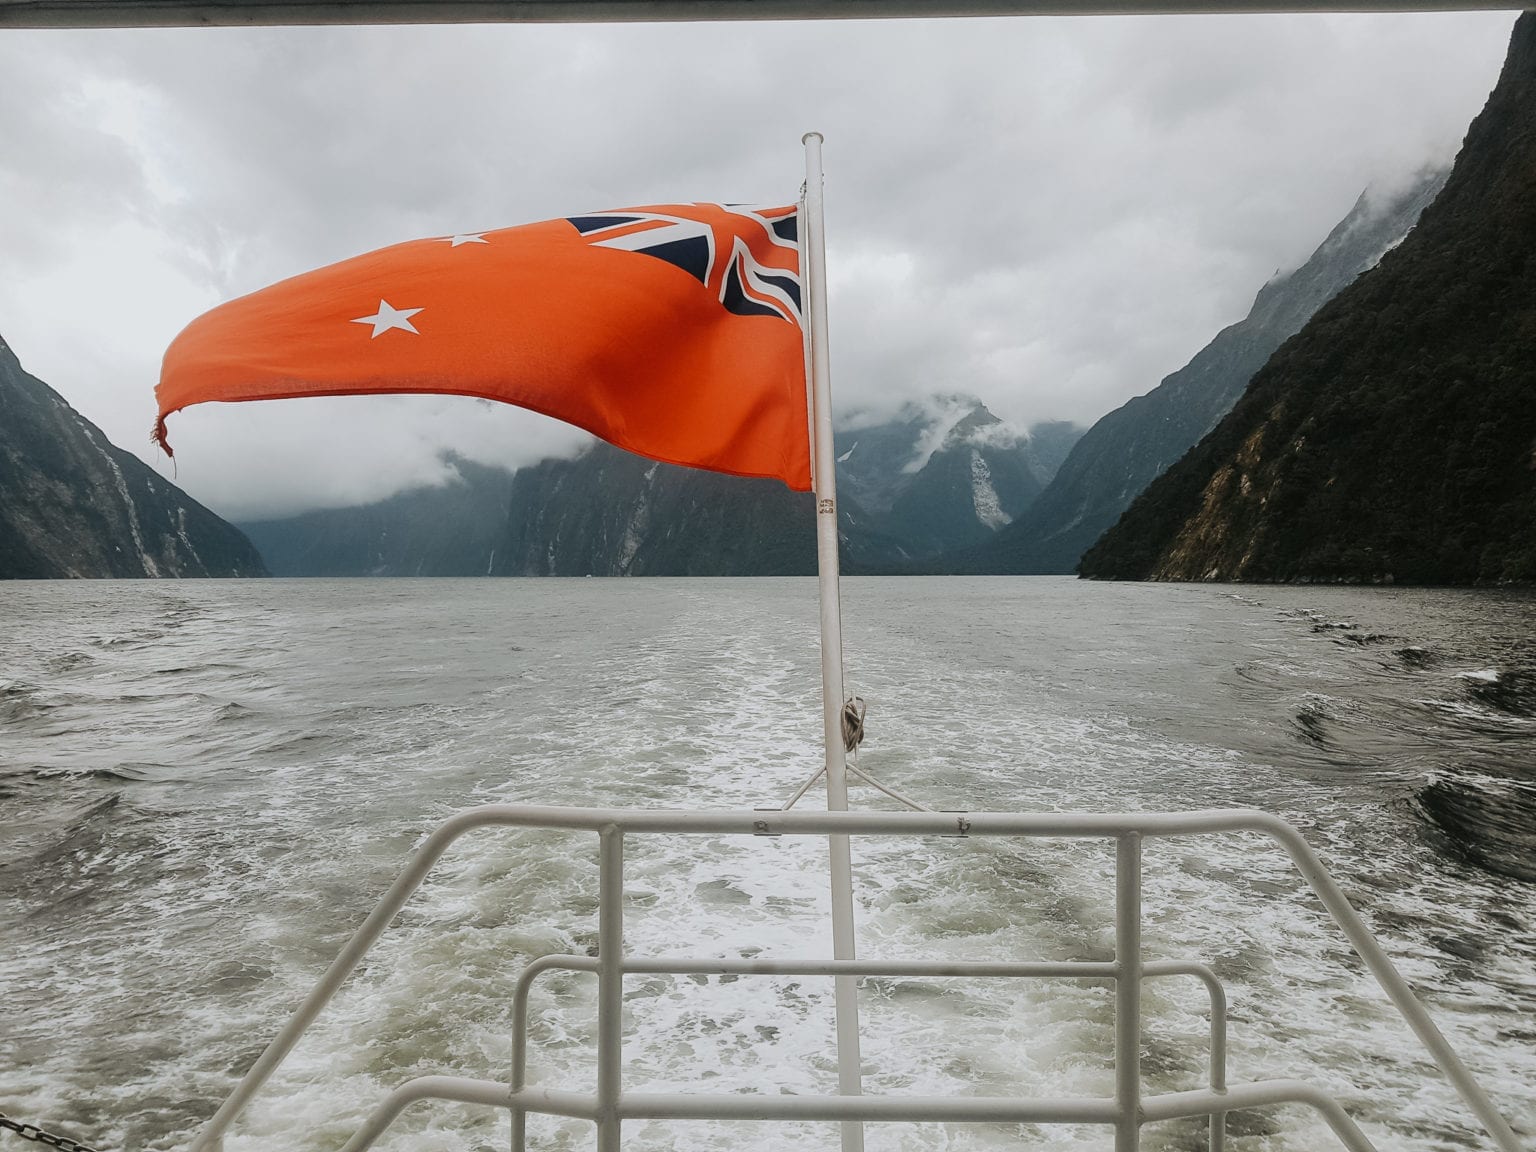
{"points": [[60, 162]]}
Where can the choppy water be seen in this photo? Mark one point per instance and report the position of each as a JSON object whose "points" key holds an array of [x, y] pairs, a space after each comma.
{"points": [[204, 786]]}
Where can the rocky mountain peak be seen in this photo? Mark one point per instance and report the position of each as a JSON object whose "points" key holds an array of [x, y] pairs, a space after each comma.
{"points": [[978, 424]]}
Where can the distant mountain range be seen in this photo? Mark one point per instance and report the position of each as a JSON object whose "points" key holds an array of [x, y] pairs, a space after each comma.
{"points": [[1394, 438], [1133, 445], [73, 505], [943, 476]]}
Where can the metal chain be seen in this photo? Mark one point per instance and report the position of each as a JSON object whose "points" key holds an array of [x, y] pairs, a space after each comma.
{"points": [[33, 1132]]}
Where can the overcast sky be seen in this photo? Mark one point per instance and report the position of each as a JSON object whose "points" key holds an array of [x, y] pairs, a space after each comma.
{"points": [[1050, 214]]}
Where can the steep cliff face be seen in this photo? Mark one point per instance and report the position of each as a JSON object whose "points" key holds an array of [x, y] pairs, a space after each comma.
{"points": [[614, 514], [71, 504], [1133, 445], [449, 531], [1394, 438], [906, 488], [606, 513]]}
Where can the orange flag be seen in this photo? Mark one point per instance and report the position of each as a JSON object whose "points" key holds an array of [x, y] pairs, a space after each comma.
{"points": [[672, 331]]}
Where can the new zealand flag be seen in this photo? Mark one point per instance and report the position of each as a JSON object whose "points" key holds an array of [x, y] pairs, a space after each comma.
{"points": [[670, 330], [748, 256]]}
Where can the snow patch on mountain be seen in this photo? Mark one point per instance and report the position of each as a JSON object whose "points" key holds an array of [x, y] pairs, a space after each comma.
{"points": [[989, 509]]}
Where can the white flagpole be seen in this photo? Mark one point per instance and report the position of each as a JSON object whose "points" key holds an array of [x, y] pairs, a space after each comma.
{"points": [[824, 475]]}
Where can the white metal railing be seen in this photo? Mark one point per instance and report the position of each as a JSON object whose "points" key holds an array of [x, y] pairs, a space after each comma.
{"points": [[610, 1106], [910, 968]]}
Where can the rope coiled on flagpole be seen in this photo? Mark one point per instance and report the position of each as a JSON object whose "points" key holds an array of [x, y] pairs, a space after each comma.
{"points": [[853, 724]]}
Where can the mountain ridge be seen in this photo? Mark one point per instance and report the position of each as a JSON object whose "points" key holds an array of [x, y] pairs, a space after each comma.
{"points": [[1125, 450], [1394, 438], [609, 513]]}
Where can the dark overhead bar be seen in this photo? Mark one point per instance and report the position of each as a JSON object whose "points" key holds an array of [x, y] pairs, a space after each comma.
{"points": [[246, 13]]}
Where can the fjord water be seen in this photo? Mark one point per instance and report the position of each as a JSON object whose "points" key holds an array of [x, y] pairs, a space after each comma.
{"points": [[204, 786]]}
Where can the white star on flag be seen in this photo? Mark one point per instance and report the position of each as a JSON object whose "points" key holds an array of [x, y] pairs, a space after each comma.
{"points": [[387, 317], [465, 238]]}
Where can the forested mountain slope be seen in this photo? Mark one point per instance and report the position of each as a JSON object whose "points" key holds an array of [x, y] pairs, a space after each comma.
{"points": [[1133, 445], [1394, 438]]}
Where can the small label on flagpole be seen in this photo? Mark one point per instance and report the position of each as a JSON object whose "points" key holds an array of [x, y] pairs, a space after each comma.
{"points": [[826, 507]]}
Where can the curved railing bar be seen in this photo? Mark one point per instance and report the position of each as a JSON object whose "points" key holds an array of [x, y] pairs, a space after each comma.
{"points": [[520, 991], [770, 823], [455, 1088], [1218, 997], [688, 966], [912, 1109], [1262, 1094]]}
